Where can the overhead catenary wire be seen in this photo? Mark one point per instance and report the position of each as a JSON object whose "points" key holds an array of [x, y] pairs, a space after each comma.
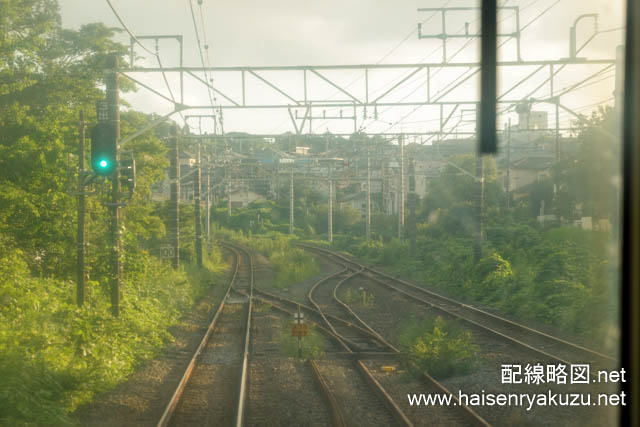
{"points": [[453, 56], [385, 56], [156, 53], [209, 84], [522, 29], [115, 12], [217, 116]]}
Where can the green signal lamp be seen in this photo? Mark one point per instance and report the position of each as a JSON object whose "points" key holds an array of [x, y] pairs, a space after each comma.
{"points": [[103, 149]]}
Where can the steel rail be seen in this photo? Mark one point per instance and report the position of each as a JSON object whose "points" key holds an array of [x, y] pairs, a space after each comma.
{"points": [[389, 402], [471, 416], [391, 405], [336, 414], [575, 348], [317, 313], [242, 393], [175, 398], [355, 316], [368, 330]]}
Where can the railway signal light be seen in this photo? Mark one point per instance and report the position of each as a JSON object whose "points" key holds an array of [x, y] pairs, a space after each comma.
{"points": [[128, 174], [103, 149]]}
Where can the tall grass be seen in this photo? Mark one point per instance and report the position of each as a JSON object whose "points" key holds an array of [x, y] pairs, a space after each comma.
{"points": [[291, 265]]}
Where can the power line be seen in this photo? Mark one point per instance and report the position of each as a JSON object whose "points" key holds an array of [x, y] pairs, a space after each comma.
{"points": [[156, 53], [522, 29], [115, 12], [206, 77], [206, 50]]}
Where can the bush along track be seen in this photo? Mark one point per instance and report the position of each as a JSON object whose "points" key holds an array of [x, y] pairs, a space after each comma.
{"points": [[55, 356], [291, 265]]}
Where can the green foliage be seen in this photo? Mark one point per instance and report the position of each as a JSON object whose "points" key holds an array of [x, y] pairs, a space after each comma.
{"points": [[367, 299], [349, 296], [589, 177], [442, 349], [55, 356], [290, 264]]}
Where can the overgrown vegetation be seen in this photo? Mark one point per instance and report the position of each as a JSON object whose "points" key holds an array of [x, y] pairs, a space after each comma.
{"points": [[555, 276], [55, 356], [360, 297], [291, 265], [442, 349]]}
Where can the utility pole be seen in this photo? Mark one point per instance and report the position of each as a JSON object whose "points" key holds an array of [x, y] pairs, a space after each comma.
{"points": [[81, 210], [412, 202], [197, 206], [557, 102], [174, 208], [113, 105], [368, 227], [401, 198], [291, 201], [508, 164], [208, 212], [330, 207], [228, 172], [477, 250]]}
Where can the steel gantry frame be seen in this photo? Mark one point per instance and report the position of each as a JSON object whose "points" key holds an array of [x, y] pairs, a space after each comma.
{"points": [[447, 107], [362, 98], [238, 95]]}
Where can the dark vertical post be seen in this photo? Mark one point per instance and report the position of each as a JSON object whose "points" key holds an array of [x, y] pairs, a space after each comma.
{"points": [[174, 208], [81, 211], [291, 201], [557, 99], [368, 225], [401, 196], [630, 235], [299, 329], [487, 125], [330, 207], [197, 206], [479, 205], [113, 105], [208, 213]]}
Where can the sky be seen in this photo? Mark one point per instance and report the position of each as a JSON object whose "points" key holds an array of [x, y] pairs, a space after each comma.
{"points": [[331, 32]]}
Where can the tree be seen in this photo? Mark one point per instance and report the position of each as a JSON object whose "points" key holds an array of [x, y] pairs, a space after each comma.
{"points": [[47, 74], [589, 177]]}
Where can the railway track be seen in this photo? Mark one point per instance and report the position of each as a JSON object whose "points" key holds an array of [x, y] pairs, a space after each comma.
{"points": [[219, 364], [531, 340], [214, 387], [331, 400], [324, 297]]}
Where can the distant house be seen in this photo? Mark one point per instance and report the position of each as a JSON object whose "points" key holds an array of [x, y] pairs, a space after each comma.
{"points": [[358, 201], [243, 197], [527, 171]]}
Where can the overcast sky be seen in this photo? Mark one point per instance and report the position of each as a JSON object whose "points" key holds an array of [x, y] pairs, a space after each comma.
{"points": [[303, 32]]}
